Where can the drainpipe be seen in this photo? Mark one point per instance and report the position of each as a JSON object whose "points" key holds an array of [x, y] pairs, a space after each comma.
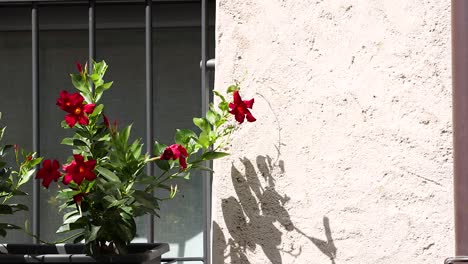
{"points": [[460, 122]]}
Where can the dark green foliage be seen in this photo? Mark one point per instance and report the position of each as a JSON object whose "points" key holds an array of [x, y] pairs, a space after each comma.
{"points": [[12, 179]]}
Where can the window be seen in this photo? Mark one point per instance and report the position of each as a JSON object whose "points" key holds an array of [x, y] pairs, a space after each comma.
{"points": [[63, 38]]}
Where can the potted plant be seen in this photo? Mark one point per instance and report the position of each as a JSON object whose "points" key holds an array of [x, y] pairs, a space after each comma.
{"points": [[103, 184]]}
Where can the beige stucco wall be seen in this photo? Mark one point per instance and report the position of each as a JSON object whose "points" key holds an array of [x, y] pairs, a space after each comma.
{"points": [[350, 160]]}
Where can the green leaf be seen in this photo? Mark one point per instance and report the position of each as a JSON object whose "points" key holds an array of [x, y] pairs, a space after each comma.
{"points": [[25, 177], [70, 227], [79, 83], [185, 175], [9, 226], [83, 133], [145, 199], [145, 179], [4, 149], [67, 141], [117, 203], [63, 229], [202, 123], [78, 239], [79, 142], [135, 148], [93, 233], [125, 134], [232, 88], [183, 136], [109, 199], [2, 132], [88, 98], [158, 148], [64, 125], [95, 77], [204, 139], [212, 117], [218, 94], [18, 193], [173, 192], [163, 164], [35, 161], [106, 86], [211, 155], [69, 214], [109, 175], [100, 68], [97, 110], [125, 233], [66, 194], [223, 106], [72, 219], [19, 207]]}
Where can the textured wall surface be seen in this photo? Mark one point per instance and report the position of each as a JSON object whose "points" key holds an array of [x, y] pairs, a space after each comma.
{"points": [[350, 160]]}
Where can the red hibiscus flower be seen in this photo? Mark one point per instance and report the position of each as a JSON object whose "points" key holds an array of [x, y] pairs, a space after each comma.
{"points": [[78, 170], [239, 108], [174, 152], [76, 109], [49, 172]]}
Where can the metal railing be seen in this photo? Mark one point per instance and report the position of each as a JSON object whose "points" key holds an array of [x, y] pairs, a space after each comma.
{"points": [[456, 260]]}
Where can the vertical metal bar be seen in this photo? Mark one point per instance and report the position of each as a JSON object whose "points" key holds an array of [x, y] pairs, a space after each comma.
{"points": [[91, 35], [149, 97], [207, 177], [460, 122], [35, 116]]}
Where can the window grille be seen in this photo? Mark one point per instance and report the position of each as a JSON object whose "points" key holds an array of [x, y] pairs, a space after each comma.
{"points": [[147, 12]]}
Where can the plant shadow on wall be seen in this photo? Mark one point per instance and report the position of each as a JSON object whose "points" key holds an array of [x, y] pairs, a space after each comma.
{"points": [[250, 218]]}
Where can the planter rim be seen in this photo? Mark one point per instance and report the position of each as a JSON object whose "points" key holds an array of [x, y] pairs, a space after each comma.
{"points": [[72, 253]]}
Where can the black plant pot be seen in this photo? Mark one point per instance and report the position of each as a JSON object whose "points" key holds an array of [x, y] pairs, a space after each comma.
{"points": [[141, 253]]}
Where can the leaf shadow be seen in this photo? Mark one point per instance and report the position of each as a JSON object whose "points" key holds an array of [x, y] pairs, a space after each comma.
{"points": [[251, 216]]}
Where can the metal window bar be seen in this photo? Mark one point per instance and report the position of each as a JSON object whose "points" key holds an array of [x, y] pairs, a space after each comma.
{"points": [[35, 115], [149, 98], [92, 35], [207, 176], [205, 66], [460, 110]]}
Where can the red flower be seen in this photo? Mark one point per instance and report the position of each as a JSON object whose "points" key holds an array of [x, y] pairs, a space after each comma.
{"points": [[49, 172], [29, 158], [174, 152], [239, 108], [106, 121], [76, 109], [78, 198], [78, 66], [78, 170]]}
